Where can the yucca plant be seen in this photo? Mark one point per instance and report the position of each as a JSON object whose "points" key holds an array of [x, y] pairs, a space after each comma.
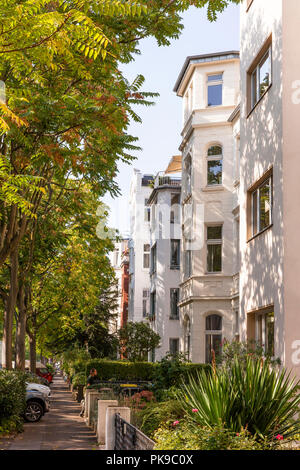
{"points": [[252, 396]]}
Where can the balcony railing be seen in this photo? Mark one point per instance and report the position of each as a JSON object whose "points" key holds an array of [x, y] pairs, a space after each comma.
{"points": [[163, 180]]}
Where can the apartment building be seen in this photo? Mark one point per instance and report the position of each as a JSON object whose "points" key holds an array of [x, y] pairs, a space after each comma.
{"points": [[209, 85], [165, 239], [269, 182], [119, 259], [139, 247]]}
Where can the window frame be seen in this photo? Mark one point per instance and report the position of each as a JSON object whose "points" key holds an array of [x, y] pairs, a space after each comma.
{"points": [[267, 48], [153, 258], [178, 346], [145, 302], [261, 320], [153, 304], [175, 266], [213, 242], [172, 315], [268, 176], [147, 212], [214, 158], [145, 253], [210, 333], [217, 82]]}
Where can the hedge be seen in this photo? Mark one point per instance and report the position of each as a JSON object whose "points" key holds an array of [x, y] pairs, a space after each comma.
{"points": [[121, 370], [143, 371], [12, 400]]}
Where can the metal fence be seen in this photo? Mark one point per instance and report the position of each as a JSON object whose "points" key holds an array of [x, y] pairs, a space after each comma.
{"points": [[129, 437]]}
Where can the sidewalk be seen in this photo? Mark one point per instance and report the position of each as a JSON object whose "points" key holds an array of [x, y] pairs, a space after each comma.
{"points": [[60, 429]]}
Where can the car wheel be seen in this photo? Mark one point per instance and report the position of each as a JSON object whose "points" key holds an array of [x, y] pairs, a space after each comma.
{"points": [[33, 412]]}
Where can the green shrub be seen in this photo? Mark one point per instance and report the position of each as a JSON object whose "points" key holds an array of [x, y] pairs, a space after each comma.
{"points": [[121, 370], [172, 371], [79, 379], [254, 397], [12, 400], [183, 436], [154, 414]]}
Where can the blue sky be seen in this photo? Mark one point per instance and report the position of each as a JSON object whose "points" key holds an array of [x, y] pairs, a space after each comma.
{"points": [[159, 134]]}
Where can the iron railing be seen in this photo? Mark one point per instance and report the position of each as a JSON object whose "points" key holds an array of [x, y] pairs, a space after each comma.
{"points": [[128, 437]]}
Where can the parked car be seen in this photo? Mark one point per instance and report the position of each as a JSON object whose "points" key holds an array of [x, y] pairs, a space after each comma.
{"points": [[37, 404], [41, 371], [36, 387]]}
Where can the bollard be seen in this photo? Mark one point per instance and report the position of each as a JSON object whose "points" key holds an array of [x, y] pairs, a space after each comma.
{"points": [[111, 412], [102, 407]]}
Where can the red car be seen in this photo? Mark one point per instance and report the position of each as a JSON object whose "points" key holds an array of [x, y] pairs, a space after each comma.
{"points": [[43, 372]]}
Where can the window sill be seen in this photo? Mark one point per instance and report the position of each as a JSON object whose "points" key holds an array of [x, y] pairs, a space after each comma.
{"points": [[214, 106], [260, 233], [211, 188], [259, 101], [216, 273], [175, 267]]}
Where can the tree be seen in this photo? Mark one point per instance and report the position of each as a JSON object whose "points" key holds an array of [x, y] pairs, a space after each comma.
{"points": [[65, 119], [138, 339]]}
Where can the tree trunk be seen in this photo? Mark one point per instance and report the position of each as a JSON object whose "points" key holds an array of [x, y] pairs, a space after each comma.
{"points": [[10, 309], [21, 330], [32, 352]]}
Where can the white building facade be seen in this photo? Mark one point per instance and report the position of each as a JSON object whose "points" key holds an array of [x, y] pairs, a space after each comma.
{"points": [[269, 177], [209, 86], [139, 247], [165, 240]]}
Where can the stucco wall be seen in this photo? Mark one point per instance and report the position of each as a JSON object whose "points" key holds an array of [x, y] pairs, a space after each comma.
{"points": [[261, 279]]}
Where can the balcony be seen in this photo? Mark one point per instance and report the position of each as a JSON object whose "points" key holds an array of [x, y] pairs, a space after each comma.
{"points": [[162, 179]]}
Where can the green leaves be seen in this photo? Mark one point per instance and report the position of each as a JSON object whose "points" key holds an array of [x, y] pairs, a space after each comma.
{"points": [[257, 398]]}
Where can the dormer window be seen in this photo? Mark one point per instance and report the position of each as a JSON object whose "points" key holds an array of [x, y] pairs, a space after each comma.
{"points": [[215, 90]]}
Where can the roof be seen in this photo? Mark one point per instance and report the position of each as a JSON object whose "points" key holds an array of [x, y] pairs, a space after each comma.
{"points": [[175, 165], [203, 58]]}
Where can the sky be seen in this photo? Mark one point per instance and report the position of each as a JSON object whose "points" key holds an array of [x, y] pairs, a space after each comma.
{"points": [[159, 133]]}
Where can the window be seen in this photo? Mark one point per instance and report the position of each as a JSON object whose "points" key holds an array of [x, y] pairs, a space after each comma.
{"points": [[146, 302], [175, 254], [213, 337], [265, 332], [214, 249], [174, 299], [214, 165], [175, 209], [261, 206], [153, 214], [187, 263], [174, 346], [237, 325], [215, 90], [260, 75], [153, 259], [146, 261], [187, 337], [188, 175], [147, 211], [152, 305]]}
